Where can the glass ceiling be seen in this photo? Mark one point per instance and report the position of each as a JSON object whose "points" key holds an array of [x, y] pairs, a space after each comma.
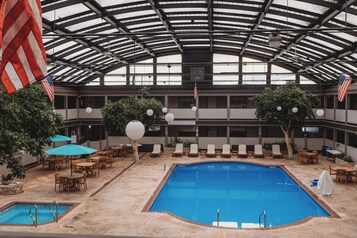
{"points": [[87, 39]]}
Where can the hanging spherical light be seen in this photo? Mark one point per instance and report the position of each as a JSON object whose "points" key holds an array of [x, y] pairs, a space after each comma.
{"points": [[135, 130], [295, 109], [149, 112], [194, 108], [169, 117], [320, 112], [164, 109], [278, 108], [89, 110]]}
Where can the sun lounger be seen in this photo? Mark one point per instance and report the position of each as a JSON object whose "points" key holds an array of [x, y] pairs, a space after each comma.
{"points": [[179, 150], [193, 150], [276, 151], [242, 151], [156, 150], [226, 151], [258, 151], [211, 151]]}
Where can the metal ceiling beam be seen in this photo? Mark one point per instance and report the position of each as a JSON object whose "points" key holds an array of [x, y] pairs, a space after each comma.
{"points": [[324, 18], [165, 22], [210, 23], [265, 9], [103, 13]]}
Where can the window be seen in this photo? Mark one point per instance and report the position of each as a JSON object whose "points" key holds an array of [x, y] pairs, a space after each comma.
{"points": [[311, 132], [352, 140], [212, 131], [341, 105], [182, 131], [197, 73], [329, 133], [60, 102], [213, 102], [115, 98], [155, 131], [96, 133], [272, 132], [238, 131], [185, 102], [94, 102], [340, 137], [329, 101], [238, 102], [72, 102], [353, 102]]}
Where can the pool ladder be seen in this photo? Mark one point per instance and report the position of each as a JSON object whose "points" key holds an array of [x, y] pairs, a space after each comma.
{"points": [[34, 220], [264, 214], [55, 216]]}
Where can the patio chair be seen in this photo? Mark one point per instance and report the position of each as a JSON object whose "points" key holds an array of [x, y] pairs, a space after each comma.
{"points": [[302, 157], [103, 162], [276, 151], [156, 150], [211, 151], [179, 150], [110, 159], [226, 151], [83, 182], [242, 151], [58, 181], [341, 175], [193, 150], [258, 151]]}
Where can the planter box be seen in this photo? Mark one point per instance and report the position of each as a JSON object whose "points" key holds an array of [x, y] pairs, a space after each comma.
{"points": [[339, 161]]}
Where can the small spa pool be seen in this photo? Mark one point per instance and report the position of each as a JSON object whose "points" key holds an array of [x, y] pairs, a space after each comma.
{"points": [[18, 213], [239, 191]]}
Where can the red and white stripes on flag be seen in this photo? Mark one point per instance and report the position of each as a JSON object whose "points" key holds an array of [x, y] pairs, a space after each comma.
{"points": [[48, 86], [344, 82], [21, 47]]}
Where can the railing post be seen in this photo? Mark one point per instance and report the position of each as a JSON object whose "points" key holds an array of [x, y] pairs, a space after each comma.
{"points": [[265, 220], [217, 217]]}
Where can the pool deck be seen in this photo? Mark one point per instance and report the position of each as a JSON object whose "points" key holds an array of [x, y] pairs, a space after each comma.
{"points": [[116, 208]]}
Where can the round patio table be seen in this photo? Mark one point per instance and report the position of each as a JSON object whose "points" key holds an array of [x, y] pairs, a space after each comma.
{"points": [[71, 182]]}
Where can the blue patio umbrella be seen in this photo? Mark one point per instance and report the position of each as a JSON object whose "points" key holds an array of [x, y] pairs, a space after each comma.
{"points": [[70, 150], [60, 138]]}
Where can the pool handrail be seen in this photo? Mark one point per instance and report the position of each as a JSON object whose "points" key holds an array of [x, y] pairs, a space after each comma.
{"points": [[265, 220], [217, 217], [34, 221], [55, 217]]}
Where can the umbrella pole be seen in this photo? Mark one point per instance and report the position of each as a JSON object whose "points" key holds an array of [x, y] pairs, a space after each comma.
{"points": [[71, 164]]}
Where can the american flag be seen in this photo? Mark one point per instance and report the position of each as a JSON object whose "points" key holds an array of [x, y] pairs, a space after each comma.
{"points": [[344, 82], [48, 85], [22, 52], [195, 94]]}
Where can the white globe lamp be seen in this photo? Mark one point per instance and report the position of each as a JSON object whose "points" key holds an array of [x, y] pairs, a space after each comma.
{"points": [[149, 112], [320, 112], [89, 110], [135, 130], [169, 117], [194, 108], [295, 110], [278, 108], [164, 109]]}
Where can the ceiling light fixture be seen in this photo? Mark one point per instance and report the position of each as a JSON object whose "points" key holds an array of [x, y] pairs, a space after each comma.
{"points": [[274, 40]]}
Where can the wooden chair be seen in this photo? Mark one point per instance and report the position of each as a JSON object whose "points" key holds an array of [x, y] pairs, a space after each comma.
{"points": [[124, 151], [103, 162], [226, 151], [45, 164], [83, 182], [110, 159], [95, 168], [211, 151], [58, 181], [302, 157], [341, 175], [193, 150], [332, 171]]}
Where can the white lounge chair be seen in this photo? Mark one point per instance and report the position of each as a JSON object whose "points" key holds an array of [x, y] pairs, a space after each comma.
{"points": [[276, 151], [242, 151], [156, 150], [258, 151], [211, 151], [179, 150], [226, 151], [193, 150]]}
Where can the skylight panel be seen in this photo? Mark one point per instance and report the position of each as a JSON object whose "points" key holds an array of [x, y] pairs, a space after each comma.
{"points": [[65, 11], [80, 25]]}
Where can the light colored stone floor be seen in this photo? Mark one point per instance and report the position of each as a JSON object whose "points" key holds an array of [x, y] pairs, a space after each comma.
{"points": [[117, 209]]}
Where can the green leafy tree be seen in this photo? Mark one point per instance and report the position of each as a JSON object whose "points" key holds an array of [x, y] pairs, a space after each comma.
{"points": [[286, 97], [118, 114], [27, 121]]}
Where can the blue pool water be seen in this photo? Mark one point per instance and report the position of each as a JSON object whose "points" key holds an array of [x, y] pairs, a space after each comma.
{"points": [[19, 213], [240, 191]]}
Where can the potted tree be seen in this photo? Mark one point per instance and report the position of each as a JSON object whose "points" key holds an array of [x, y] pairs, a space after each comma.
{"points": [[6, 179]]}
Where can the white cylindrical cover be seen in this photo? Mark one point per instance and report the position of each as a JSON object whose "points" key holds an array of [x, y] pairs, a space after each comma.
{"points": [[169, 117], [278, 108], [194, 108], [89, 110], [149, 112], [295, 109], [135, 130], [325, 184], [320, 112], [164, 109]]}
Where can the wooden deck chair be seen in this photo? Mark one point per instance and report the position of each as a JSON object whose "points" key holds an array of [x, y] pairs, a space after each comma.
{"points": [[193, 150], [226, 151], [179, 150], [276, 151], [211, 151], [302, 157], [156, 150], [258, 151], [242, 151]]}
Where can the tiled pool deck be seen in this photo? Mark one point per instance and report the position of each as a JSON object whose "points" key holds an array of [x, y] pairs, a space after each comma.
{"points": [[116, 209]]}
